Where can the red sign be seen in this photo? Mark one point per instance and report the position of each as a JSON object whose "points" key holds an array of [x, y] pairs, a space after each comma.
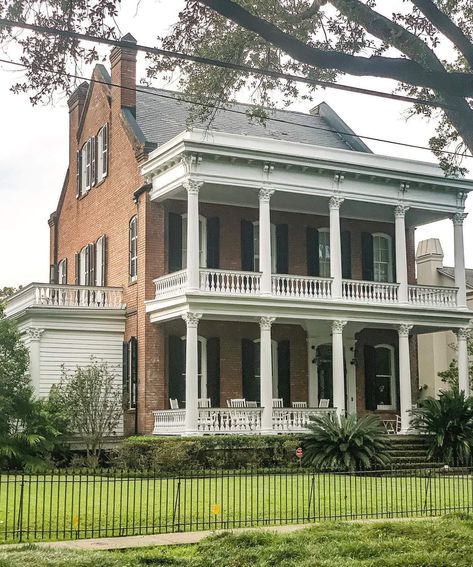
{"points": [[299, 453]]}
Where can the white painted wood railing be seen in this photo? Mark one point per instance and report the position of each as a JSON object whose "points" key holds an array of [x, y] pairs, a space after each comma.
{"points": [[227, 281], [432, 296], [369, 292], [51, 295], [295, 419], [230, 420], [284, 285], [171, 283], [169, 421]]}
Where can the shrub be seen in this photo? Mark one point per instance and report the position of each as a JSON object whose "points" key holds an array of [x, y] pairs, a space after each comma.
{"points": [[346, 444], [448, 422]]}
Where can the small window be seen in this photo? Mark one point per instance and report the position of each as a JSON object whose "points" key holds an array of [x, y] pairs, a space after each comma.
{"points": [[324, 252], [133, 248], [382, 258], [62, 272]]}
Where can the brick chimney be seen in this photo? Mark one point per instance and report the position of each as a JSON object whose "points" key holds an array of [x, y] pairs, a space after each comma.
{"points": [[123, 63], [76, 105]]}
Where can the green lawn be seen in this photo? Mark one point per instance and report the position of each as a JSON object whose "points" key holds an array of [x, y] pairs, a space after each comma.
{"points": [[50, 507], [445, 542]]}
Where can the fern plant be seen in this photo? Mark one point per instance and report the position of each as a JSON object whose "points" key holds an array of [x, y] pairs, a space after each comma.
{"points": [[345, 443], [448, 422]]}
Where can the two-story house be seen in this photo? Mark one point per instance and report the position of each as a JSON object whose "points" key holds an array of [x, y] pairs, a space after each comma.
{"points": [[252, 273]]}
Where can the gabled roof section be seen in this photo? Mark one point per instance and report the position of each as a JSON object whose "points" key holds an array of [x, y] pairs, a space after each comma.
{"points": [[161, 115], [101, 74], [450, 273]]}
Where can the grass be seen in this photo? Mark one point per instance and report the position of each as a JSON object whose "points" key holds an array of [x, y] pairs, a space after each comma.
{"points": [[446, 542], [55, 507]]}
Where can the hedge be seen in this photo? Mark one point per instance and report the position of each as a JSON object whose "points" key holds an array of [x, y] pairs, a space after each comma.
{"points": [[173, 454]]}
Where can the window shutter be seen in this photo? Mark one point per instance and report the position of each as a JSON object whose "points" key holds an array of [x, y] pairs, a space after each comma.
{"points": [[312, 238], [284, 372], [125, 376], [176, 368], [247, 246], [174, 242], [393, 256], [213, 371], [367, 256], [64, 272], [133, 348], [53, 274], [78, 173], [104, 261], [282, 249], [213, 243], [93, 154], [370, 377], [77, 268], [91, 255], [251, 386], [105, 145], [346, 254]]}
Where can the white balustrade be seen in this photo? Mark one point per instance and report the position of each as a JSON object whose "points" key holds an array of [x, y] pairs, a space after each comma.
{"points": [[296, 419], [169, 421], [171, 284], [369, 292], [232, 282], [304, 287], [433, 296], [230, 420]]}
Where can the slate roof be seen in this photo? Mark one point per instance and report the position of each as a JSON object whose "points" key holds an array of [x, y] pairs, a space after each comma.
{"points": [[450, 273], [163, 117]]}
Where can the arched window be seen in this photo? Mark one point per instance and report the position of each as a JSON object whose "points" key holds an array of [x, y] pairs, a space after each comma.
{"points": [[382, 258], [385, 377], [133, 253]]}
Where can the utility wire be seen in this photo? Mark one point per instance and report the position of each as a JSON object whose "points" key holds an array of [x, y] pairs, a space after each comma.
{"points": [[218, 63], [182, 99]]}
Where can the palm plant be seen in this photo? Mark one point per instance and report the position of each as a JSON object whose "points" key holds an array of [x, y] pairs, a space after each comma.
{"points": [[448, 422], [345, 443]]}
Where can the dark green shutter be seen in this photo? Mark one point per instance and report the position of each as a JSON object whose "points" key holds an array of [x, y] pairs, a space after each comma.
{"points": [[133, 350], [213, 243], [370, 377], [104, 261], [251, 387], [53, 274], [346, 254], [125, 368], [213, 371], [367, 256], [176, 368], [312, 242], [174, 242], [282, 249], [77, 268], [91, 255], [284, 372], [247, 246]]}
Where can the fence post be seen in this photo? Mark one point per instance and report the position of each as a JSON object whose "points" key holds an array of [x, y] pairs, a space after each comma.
{"points": [[427, 488], [20, 510], [176, 508], [311, 495]]}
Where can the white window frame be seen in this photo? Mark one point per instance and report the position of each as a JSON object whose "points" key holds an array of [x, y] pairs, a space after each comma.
{"points": [[202, 241], [102, 153], [133, 258], [61, 272], [99, 250], [202, 375], [256, 265], [393, 404], [322, 262], [389, 240], [83, 272], [274, 366]]}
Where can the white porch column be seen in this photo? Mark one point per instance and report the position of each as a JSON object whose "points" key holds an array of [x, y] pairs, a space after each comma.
{"points": [[463, 362], [350, 346], [335, 247], [266, 374], [192, 370], [405, 385], [460, 279], [401, 252], [265, 239], [34, 347], [338, 367], [193, 244]]}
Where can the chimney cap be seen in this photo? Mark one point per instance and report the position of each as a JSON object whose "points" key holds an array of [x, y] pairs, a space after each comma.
{"points": [[429, 248], [129, 38]]}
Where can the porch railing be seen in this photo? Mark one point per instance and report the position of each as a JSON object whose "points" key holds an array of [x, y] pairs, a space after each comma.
{"points": [[295, 419], [230, 420], [171, 283], [227, 281], [433, 296], [169, 421], [285, 285], [369, 292]]}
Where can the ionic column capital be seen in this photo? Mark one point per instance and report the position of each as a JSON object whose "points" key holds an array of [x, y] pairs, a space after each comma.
{"points": [[192, 319], [192, 186], [34, 333], [265, 322], [463, 333], [458, 218], [404, 329], [265, 194], [335, 202], [400, 211], [337, 326]]}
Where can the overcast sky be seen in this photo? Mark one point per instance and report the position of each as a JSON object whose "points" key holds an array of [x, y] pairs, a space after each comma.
{"points": [[33, 156]]}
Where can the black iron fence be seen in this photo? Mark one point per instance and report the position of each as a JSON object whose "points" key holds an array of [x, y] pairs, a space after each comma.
{"points": [[77, 504]]}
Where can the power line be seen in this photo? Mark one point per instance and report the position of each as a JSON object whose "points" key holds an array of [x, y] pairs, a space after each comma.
{"points": [[180, 98], [218, 63]]}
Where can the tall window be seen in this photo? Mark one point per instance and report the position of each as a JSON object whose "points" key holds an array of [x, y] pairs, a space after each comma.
{"points": [[133, 248], [130, 372], [202, 242], [382, 258], [256, 247], [385, 377], [274, 360], [62, 272], [324, 252], [84, 266], [102, 153], [92, 161], [100, 259], [201, 366]]}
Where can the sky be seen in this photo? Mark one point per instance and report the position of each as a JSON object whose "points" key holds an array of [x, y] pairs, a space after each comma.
{"points": [[33, 151]]}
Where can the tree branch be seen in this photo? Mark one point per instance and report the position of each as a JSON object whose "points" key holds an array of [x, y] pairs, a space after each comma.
{"points": [[447, 27], [399, 69]]}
